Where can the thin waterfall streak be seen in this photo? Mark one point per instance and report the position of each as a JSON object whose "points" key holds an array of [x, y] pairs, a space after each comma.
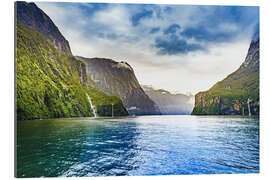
{"points": [[92, 106], [112, 111], [249, 113]]}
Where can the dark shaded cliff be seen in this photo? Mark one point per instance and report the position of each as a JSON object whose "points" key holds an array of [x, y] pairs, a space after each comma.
{"points": [[118, 79], [36, 19], [169, 103], [237, 94]]}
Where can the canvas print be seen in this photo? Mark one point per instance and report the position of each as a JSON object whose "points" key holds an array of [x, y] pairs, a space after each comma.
{"points": [[108, 89]]}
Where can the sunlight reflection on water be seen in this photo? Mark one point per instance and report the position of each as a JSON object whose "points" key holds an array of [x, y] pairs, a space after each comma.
{"points": [[144, 145]]}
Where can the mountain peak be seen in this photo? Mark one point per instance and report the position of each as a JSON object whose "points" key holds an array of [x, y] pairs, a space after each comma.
{"points": [[256, 33], [252, 58], [32, 16]]}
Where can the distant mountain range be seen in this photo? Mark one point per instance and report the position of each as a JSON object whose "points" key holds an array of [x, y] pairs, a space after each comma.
{"points": [[237, 94], [168, 103]]}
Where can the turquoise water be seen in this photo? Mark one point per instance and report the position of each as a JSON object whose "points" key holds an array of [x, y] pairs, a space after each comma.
{"points": [[145, 145]]}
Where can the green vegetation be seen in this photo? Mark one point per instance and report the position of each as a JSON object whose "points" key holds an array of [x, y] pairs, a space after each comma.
{"points": [[50, 83], [230, 95], [241, 84]]}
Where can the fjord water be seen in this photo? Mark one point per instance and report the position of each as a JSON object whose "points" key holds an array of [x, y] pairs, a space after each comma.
{"points": [[144, 145]]}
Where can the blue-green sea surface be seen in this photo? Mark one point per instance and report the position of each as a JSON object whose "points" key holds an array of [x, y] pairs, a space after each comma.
{"points": [[144, 145]]}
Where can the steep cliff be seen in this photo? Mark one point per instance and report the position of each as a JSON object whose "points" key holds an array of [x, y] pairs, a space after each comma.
{"points": [[36, 19], [118, 79], [52, 83], [237, 94], [169, 103]]}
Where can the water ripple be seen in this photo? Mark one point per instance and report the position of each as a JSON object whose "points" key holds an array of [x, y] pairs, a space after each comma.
{"points": [[147, 145]]}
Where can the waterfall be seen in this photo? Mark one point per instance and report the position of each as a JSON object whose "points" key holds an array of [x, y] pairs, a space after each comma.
{"points": [[92, 106], [112, 111], [248, 101]]}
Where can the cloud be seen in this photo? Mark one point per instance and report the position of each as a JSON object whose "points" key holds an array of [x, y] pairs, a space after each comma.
{"points": [[202, 34], [174, 45], [170, 43], [114, 19], [154, 30], [222, 24], [171, 29], [135, 19], [192, 27], [163, 43]]}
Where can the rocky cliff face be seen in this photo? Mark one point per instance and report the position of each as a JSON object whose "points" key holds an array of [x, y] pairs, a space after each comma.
{"points": [[118, 79], [50, 82], [237, 94], [36, 19], [169, 103]]}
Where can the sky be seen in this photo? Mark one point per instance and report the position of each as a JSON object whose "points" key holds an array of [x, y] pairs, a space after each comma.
{"points": [[180, 48]]}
